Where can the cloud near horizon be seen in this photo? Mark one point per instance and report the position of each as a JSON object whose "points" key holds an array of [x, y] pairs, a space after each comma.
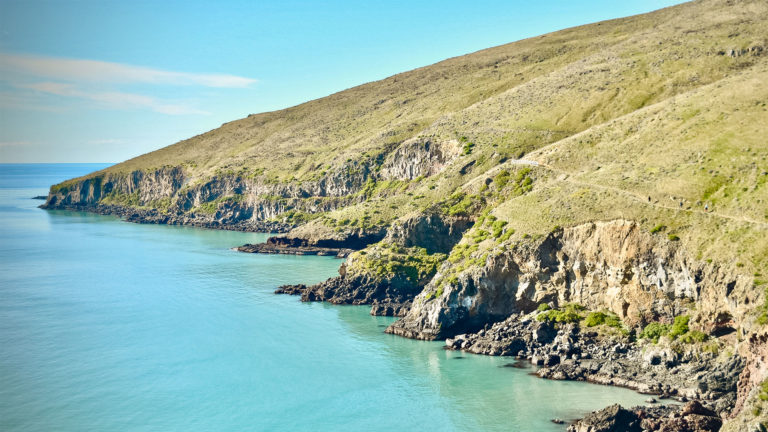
{"points": [[81, 70], [113, 99], [99, 82]]}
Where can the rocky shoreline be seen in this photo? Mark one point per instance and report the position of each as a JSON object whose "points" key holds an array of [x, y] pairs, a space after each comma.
{"points": [[692, 417], [605, 356], [152, 216], [265, 248], [385, 298]]}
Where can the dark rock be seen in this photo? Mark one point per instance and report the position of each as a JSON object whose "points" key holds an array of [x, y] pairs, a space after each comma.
{"points": [[390, 309], [695, 407], [551, 360], [610, 419], [291, 289], [598, 361], [270, 248]]}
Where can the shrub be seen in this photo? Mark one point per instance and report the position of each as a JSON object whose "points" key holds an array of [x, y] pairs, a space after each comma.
{"points": [[694, 336], [658, 228], [764, 391], [654, 331], [568, 314], [507, 234], [480, 236], [543, 307], [673, 237], [595, 319], [497, 227], [679, 327], [501, 179], [601, 318]]}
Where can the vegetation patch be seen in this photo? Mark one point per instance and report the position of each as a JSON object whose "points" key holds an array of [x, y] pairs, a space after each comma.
{"points": [[569, 313], [462, 204], [679, 329], [603, 318], [388, 261], [123, 199]]}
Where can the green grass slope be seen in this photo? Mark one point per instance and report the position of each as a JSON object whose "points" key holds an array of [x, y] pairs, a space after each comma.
{"points": [[626, 119], [516, 97]]}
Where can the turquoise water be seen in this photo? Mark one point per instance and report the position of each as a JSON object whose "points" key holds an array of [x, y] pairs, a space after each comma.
{"points": [[112, 326]]}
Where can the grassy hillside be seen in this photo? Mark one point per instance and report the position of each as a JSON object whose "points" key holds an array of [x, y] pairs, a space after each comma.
{"points": [[628, 118], [516, 96]]}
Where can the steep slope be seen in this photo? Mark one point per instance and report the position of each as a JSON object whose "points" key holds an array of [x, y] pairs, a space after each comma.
{"points": [[621, 166]]}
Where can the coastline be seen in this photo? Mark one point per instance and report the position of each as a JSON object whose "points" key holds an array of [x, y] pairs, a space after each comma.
{"points": [[563, 352]]}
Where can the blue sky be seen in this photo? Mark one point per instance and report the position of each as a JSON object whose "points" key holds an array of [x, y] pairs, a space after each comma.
{"points": [[104, 81]]}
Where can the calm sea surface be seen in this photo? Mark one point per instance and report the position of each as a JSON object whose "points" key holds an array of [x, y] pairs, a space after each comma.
{"points": [[112, 326]]}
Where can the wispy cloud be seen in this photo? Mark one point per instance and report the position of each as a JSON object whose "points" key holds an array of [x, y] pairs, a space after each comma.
{"points": [[15, 143], [35, 79], [113, 99], [81, 70]]}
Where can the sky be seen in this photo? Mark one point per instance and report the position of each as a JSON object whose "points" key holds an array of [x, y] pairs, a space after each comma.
{"points": [[104, 81]]}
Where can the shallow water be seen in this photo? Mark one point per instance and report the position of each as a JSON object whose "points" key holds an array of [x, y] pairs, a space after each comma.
{"points": [[108, 325]]}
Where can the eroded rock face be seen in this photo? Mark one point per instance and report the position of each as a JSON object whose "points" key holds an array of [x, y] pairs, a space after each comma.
{"points": [[148, 186], [432, 231], [604, 265], [743, 417], [418, 157], [167, 195]]}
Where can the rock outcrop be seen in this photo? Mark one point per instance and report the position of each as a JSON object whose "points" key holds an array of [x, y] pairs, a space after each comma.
{"points": [[389, 293], [603, 265], [434, 232], [227, 200], [693, 417], [387, 296], [419, 157]]}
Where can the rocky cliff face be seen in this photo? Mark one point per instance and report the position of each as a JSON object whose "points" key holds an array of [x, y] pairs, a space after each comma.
{"points": [[167, 195], [146, 186], [419, 157], [432, 231], [604, 265]]}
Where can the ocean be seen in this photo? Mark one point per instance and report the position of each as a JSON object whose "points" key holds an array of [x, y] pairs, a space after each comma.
{"points": [[112, 326]]}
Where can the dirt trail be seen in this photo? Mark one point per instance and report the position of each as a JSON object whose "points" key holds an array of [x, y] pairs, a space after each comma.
{"points": [[644, 199], [535, 164]]}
